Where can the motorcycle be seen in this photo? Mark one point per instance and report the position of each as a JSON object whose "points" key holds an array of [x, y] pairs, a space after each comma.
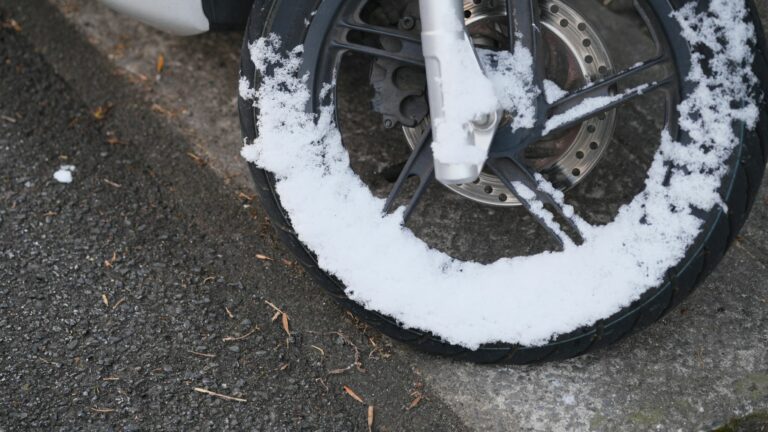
{"points": [[499, 181]]}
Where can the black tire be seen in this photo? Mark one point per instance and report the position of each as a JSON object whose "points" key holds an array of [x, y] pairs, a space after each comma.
{"points": [[739, 188]]}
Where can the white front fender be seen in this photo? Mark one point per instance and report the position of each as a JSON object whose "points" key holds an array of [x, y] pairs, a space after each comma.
{"points": [[179, 17]]}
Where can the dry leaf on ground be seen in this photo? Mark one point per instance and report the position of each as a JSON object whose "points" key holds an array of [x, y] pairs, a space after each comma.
{"points": [[12, 24], [417, 397], [219, 395], [160, 64], [353, 395], [370, 418], [100, 113], [285, 324]]}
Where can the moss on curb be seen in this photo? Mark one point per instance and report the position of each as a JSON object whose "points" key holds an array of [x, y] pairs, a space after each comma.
{"points": [[756, 422]]}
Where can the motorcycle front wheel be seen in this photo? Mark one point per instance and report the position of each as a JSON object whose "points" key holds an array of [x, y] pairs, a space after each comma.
{"points": [[370, 50]]}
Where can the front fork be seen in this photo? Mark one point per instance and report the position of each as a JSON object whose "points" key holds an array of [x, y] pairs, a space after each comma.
{"points": [[442, 32]]}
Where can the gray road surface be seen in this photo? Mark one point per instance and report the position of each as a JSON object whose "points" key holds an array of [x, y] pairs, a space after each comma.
{"points": [[699, 367]]}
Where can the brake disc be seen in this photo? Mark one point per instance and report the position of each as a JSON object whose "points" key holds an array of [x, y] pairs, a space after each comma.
{"points": [[575, 56]]}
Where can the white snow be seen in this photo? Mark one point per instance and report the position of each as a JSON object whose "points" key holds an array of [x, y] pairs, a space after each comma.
{"points": [[64, 174], [245, 89], [559, 198], [526, 300], [537, 208], [467, 95], [512, 79], [553, 92]]}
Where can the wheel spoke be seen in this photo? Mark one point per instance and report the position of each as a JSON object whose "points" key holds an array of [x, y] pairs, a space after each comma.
{"points": [[362, 27], [564, 119], [524, 19], [421, 164], [603, 86], [522, 182], [395, 45], [402, 56]]}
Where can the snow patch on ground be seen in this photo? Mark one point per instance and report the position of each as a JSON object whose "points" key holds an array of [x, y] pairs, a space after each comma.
{"points": [[521, 300], [64, 174]]}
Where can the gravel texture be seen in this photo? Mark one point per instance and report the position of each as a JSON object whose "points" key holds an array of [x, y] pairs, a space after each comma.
{"points": [[661, 378], [118, 291]]}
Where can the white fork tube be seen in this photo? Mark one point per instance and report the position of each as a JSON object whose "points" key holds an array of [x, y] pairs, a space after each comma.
{"points": [[442, 31], [442, 26]]}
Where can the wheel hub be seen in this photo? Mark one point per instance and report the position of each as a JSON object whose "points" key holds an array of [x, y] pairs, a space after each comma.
{"points": [[575, 56]]}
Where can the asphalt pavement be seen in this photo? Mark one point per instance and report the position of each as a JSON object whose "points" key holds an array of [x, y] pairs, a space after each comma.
{"points": [[144, 295]]}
